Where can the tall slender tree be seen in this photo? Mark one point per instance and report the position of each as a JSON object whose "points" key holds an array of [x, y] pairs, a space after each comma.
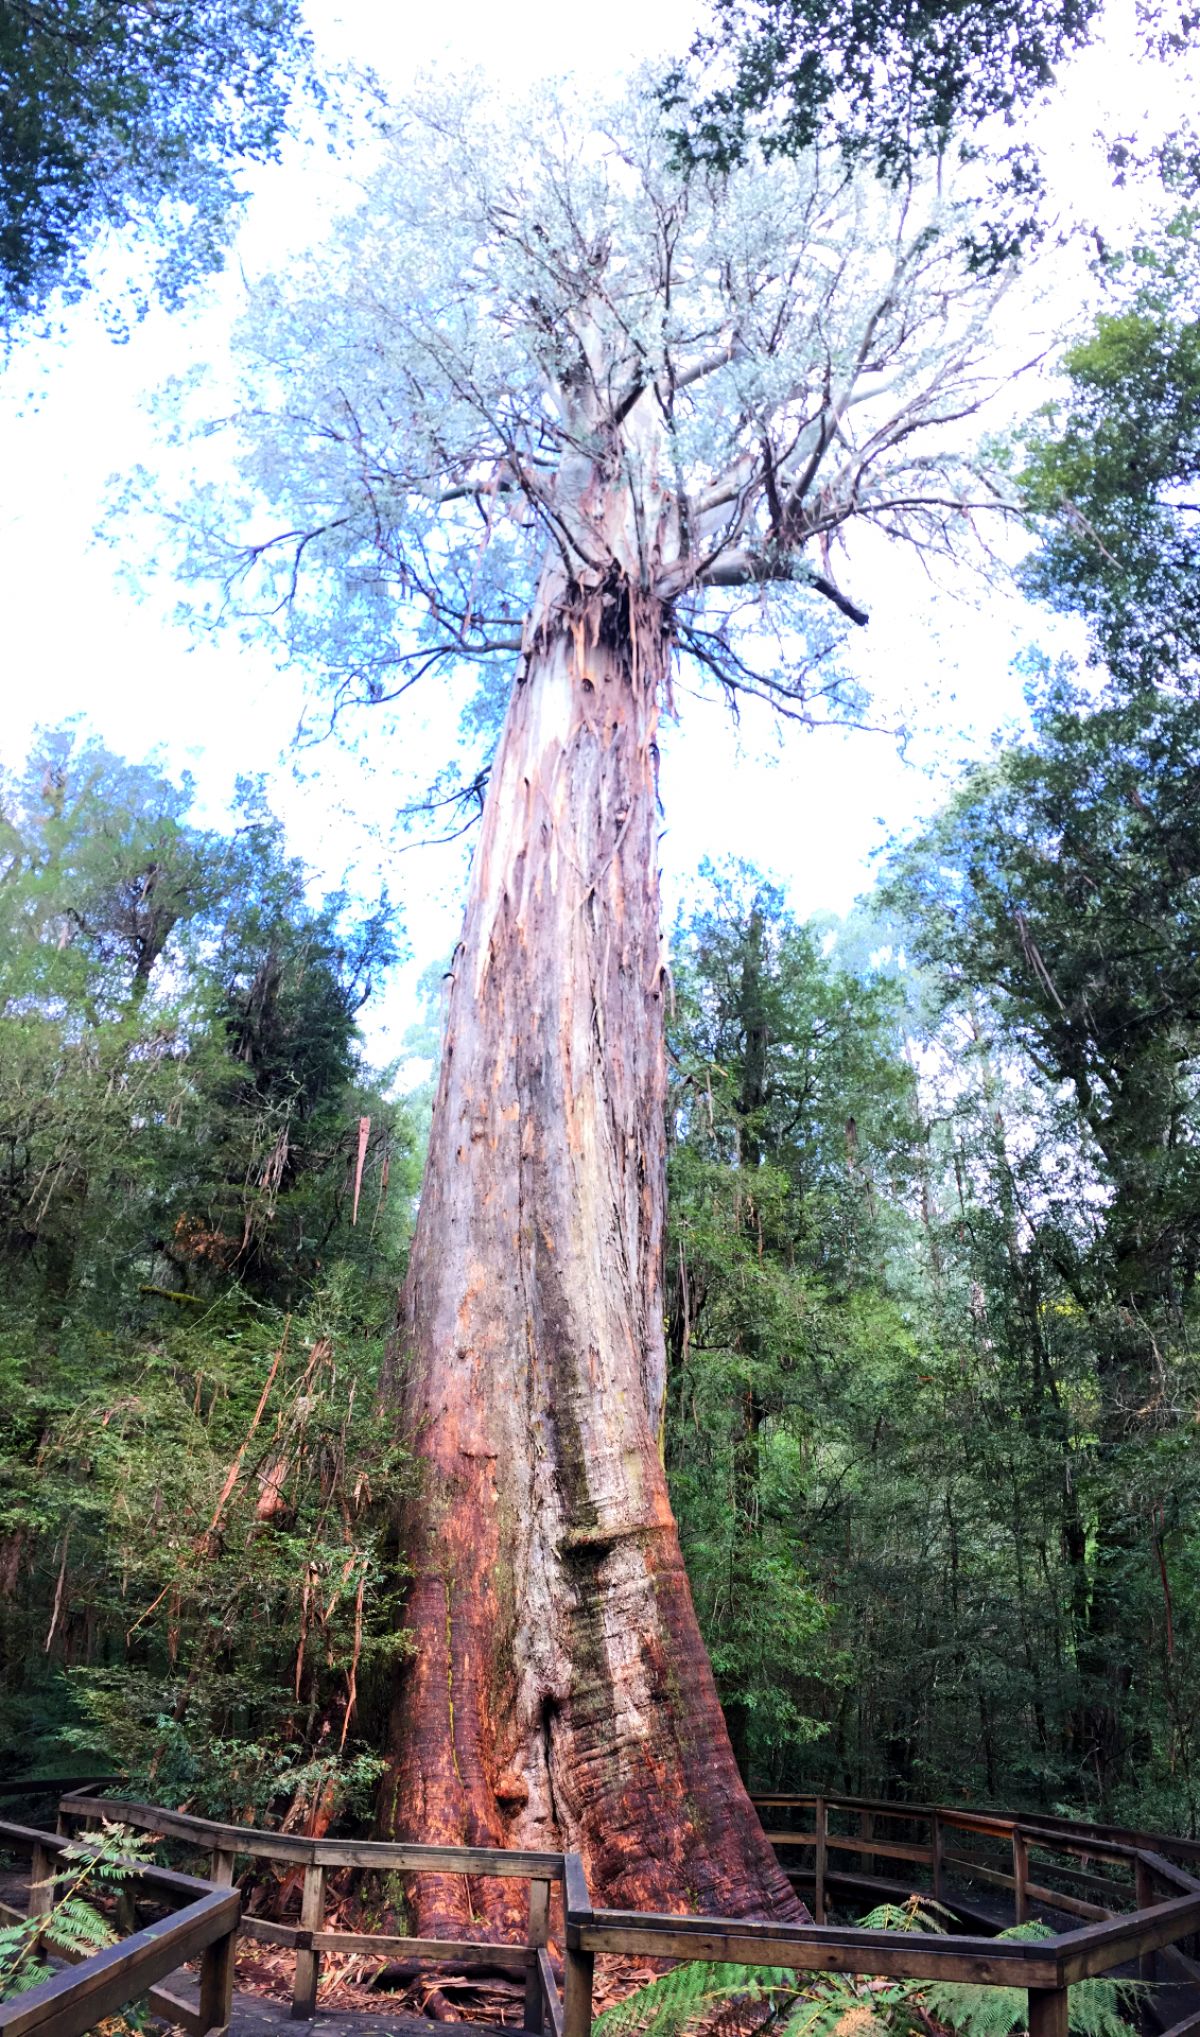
{"points": [[1059, 891], [548, 402]]}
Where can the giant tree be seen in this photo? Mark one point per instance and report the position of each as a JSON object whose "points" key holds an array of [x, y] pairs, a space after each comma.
{"points": [[548, 405]]}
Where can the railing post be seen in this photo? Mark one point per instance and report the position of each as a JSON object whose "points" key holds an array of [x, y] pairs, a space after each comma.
{"points": [[308, 1962], [539, 1927], [937, 1846], [866, 1832], [41, 1894], [221, 1868], [1048, 2012], [1143, 1887], [1020, 1857], [822, 1849], [578, 1969], [216, 1981], [41, 1889]]}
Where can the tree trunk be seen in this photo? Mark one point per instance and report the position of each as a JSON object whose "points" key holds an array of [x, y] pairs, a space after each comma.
{"points": [[558, 1692]]}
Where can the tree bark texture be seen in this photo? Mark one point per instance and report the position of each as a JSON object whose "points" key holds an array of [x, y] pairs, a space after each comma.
{"points": [[558, 1692]]}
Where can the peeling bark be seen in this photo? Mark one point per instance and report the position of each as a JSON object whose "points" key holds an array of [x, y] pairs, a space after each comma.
{"points": [[558, 1693]]}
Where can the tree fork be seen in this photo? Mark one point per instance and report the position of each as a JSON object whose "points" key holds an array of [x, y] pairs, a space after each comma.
{"points": [[558, 1692]]}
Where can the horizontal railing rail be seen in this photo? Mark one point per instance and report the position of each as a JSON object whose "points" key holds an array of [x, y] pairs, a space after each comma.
{"points": [[203, 1924], [1047, 1836], [54, 1785]]}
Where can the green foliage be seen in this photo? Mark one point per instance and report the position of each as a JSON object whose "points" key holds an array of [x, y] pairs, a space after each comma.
{"points": [[195, 1530], [132, 118], [790, 1097], [1062, 882], [698, 1994], [687, 1996], [887, 85], [73, 1925], [931, 1350], [1110, 471], [917, 1914], [1054, 904], [895, 87], [1099, 2007]]}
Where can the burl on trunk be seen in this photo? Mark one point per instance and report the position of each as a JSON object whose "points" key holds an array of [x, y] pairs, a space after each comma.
{"points": [[559, 1693]]}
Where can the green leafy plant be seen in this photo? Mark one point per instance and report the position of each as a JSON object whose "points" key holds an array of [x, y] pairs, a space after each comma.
{"points": [[691, 1997], [1096, 2005], [686, 1997], [73, 1926], [919, 1913]]}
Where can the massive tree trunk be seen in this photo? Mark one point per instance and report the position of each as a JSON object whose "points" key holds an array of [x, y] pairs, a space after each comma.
{"points": [[558, 1692]]}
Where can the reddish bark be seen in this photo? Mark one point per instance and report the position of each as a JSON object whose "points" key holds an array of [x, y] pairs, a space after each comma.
{"points": [[559, 1692]]}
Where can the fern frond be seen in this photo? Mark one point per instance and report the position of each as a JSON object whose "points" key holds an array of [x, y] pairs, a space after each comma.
{"points": [[1106, 2008], [842, 2005], [19, 1970], [823, 2008], [74, 1926], [919, 1913], [1099, 2007], [679, 2000], [974, 2010]]}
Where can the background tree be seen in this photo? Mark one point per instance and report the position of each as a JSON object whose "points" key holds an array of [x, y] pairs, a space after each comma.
{"points": [[1059, 890], [1110, 470], [793, 1124], [897, 87], [551, 399], [132, 116], [935, 1553], [197, 1580]]}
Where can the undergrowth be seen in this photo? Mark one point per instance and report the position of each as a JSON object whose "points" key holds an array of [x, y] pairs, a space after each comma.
{"points": [[74, 1927], [694, 1996]]}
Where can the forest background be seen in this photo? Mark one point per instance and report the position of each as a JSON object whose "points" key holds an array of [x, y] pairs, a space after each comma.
{"points": [[932, 1398]]}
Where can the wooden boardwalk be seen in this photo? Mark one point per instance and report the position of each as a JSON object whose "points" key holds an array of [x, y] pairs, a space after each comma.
{"points": [[265, 2016], [1128, 1896]]}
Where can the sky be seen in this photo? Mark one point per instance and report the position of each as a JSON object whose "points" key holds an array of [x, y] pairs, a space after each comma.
{"points": [[810, 808]]}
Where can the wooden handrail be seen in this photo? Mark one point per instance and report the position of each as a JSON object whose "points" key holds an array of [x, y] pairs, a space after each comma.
{"points": [[1045, 1968], [28, 1838], [915, 1955], [54, 1785], [309, 1940], [70, 2002], [300, 1851], [982, 1819]]}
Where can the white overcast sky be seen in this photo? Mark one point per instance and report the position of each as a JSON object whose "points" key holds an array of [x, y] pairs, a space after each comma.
{"points": [[807, 807]]}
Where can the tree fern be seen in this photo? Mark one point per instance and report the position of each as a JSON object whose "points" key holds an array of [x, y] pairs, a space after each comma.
{"points": [[1095, 2006], [19, 1969], [848, 2005], [692, 1996], [919, 1913], [684, 1998]]}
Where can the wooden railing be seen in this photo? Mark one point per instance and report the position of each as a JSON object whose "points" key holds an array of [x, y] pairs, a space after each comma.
{"points": [[1163, 1895], [203, 1923], [544, 2007], [928, 1831], [1145, 1863], [29, 1789]]}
